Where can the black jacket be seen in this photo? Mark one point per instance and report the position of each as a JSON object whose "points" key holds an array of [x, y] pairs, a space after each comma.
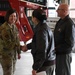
{"points": [[63, 36], [40, 45]]}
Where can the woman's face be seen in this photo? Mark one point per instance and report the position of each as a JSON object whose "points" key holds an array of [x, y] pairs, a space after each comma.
{"points": [[35, 20], [12, 18]]}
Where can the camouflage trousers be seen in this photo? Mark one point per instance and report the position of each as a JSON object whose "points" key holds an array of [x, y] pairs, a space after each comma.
{"points": [[8, 65]]}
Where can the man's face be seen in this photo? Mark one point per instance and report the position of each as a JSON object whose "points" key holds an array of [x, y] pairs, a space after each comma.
{"points": [[60, 11]]}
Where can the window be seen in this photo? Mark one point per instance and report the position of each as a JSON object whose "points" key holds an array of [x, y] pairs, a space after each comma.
{"points": [[51, 8], [72, 8], [4, 5]]}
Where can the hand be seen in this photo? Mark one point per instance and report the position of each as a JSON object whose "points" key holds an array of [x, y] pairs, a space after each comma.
{"points": [[19, 56], [24, 48], [33, 72]]}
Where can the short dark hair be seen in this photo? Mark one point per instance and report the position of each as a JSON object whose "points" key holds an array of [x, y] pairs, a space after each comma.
{"points": [[9, 12], [39, 14]]}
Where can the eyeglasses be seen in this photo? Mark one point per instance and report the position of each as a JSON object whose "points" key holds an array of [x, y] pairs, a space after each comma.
{"points": [[60, 9]]}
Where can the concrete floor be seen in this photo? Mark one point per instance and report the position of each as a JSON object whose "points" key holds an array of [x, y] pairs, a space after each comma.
{"points": [[24, 65]]}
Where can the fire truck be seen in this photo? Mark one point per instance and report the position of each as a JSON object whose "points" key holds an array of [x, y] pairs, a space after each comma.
{"points": [[23, 25]]}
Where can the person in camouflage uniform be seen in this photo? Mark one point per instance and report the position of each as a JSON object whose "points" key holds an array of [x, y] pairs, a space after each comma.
{"points": [[9, 43]]}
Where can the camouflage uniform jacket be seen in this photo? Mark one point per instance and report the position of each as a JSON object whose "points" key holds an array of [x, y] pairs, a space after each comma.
{"points": [[9, 41]]}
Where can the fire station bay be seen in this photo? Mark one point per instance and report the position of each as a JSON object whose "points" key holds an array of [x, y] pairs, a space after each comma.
{"points": [[26, 26]]}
